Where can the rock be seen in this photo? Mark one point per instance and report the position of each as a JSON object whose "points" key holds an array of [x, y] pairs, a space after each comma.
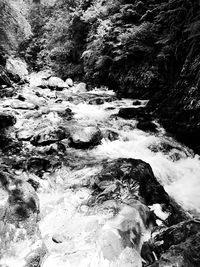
{"points": [[47, 137], [22, 204], [67, 114], [6, 120], [176, 234], [33, 98], [24, 135], [17, 104], [96, 101], [111, 135], [134, 174], [15, 66], [38, 165], [147, 126], [56, 83], [134, 113], [177, 245], [81, 87], [69, 82], [135, 177], [124, 231], [58, 238], [85, 137]]}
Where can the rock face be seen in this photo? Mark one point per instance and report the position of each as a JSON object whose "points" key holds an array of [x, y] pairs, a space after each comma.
{"points": [[15, 28]]}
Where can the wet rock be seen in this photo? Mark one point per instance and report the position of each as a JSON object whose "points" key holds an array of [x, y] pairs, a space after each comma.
{"points": [[6, 120], [81, 87], [38, 165], [147, 126], [22, 204], [25, 135], [17, 104], [134, 178], [58, 238], [47, 137], [66, 113], [15, 66], [111, 135], [134, 174], [124, 231], [178, 245], [96, 101], [69, 82], [134, 113], [56, 83], [85, 137]]}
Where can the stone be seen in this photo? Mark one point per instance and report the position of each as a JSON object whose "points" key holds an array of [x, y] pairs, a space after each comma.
{"points": [[38, 165], [134, 174], [135, 113], [147, 126], [96, 101], [58, 238], [24, 135], [16, 66], [66, 114], [69, 82], [111, 135], [17, 104], [81, 87], [22, 203], [56, 83], [6, 120], [85, 137], [47, 137]]}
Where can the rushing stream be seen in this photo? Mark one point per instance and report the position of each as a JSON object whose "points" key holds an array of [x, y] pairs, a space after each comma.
{"points": [[75, 236]]}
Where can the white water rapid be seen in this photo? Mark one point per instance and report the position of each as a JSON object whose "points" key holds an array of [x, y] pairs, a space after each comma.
{"points": [[62, 214], [74, 235]]}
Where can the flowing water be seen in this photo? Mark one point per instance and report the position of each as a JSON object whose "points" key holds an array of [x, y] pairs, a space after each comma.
{"points": [[178, 170], [69, 229]]}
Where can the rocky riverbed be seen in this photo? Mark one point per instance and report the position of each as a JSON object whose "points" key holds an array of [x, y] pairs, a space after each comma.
{"points": [[91, 180]]}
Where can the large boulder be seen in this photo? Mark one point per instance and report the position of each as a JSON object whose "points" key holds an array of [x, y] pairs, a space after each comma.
{"points": [[85, 137], [137, 175], [121, 178], [17, 68], [56, 83]]}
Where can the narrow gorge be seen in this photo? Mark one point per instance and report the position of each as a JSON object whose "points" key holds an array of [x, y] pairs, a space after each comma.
{"points": [[99, 136]]}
